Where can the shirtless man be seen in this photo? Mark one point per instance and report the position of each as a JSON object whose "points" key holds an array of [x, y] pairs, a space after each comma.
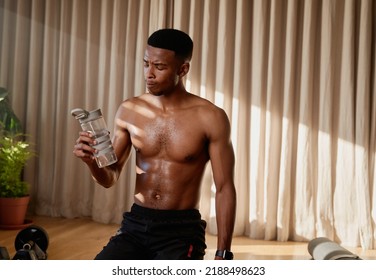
{"points": [[174, 134]]}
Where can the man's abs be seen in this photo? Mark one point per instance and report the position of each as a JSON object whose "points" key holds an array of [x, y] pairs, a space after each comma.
{"points": [[169, 185], [172, 196]]}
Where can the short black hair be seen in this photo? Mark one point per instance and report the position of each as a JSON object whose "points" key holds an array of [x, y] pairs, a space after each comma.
{"points": [[174, 40]]}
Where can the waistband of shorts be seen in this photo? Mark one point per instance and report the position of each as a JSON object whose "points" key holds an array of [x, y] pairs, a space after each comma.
{"points": [[157, 214]]}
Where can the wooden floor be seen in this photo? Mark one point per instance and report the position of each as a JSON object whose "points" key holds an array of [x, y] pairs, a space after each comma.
{"points": [[82, 239]]}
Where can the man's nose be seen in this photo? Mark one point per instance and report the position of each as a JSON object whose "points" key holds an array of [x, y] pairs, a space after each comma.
{"points": [[149, 72]]}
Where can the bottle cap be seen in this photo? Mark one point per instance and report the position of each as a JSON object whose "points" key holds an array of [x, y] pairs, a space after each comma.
{"points": [[84, 116]]}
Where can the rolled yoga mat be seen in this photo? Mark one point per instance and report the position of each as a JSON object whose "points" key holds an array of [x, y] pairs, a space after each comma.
{"points": [[323, 248]]}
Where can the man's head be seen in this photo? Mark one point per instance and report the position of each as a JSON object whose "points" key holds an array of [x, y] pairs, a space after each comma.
{"points": [[174, 40]]}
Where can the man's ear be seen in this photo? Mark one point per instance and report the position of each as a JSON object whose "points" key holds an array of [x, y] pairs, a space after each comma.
{"points": [[184, 69]]}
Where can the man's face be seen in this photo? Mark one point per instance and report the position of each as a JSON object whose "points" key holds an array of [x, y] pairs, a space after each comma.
{"points": [[161, 69]]}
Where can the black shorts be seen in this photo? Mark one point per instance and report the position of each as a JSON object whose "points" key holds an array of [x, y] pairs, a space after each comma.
{"points": [[149, 234]]}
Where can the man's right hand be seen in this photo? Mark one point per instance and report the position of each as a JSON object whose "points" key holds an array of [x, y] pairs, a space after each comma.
{"points": [[83, 149]]}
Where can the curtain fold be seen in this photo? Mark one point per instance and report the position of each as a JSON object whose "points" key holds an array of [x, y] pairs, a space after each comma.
{"points": [[327, 92], [296, 78], [344, 187], [363, 112]]}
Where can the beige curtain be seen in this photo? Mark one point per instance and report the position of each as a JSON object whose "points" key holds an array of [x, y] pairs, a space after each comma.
{"points": [[297, 79]]}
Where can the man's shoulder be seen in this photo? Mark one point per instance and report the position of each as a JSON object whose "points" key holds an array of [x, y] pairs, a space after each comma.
{"points": [[209, 108], [131, 101], [127, 108], [207, 113], [205, 104]]}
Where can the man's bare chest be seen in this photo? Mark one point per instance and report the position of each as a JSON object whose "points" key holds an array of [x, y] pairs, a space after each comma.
{"points": [[174, 137]]}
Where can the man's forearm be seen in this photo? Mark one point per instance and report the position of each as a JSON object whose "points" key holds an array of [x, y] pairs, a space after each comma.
{"points": [[106, 176], [225, 212]]}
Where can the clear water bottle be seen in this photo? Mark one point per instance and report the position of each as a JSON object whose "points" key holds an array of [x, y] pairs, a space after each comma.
{"points": [[94, 123]]}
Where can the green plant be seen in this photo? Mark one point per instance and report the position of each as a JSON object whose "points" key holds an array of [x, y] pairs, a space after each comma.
{"points": [[14, 153], [8, 119]]}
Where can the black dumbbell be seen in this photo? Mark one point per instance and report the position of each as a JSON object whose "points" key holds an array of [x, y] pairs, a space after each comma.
{"points": [[31, 243]]}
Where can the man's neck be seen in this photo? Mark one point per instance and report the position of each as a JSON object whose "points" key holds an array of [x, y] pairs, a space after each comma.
{"points": [[170, 100]]}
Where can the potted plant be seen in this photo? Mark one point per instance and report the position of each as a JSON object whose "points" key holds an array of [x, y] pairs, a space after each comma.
{"points": [[14, 154], [14, 192]]}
